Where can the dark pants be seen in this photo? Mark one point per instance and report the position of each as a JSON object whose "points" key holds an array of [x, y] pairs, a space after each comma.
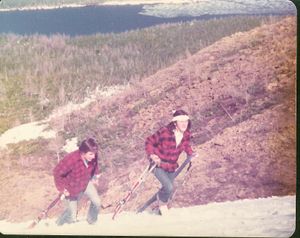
{"points": [[166, 179]]}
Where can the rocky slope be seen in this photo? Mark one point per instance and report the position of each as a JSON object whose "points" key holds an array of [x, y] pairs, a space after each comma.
{"points": [[240, 93]]}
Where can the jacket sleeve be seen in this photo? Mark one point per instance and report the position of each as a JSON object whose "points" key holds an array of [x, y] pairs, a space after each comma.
{"points": [[60, 172], [152, 142]]}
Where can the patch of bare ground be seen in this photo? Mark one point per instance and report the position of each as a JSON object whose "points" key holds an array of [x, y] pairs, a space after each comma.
{"points": [[240, 93]]}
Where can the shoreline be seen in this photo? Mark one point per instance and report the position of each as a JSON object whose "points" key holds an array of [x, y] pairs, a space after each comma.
{"points": [[42, 7], [110, 3]]}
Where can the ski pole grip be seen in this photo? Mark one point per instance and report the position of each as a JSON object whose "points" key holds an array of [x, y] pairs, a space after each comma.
{"points": [[152, 163], [182, 166]]}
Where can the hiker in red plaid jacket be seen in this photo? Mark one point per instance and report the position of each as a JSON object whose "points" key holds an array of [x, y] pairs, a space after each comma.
{"points": [[75, 176], [164, 148]]}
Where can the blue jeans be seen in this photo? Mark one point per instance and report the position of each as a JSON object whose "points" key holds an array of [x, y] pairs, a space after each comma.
{"points": [[166, 179], [69, 215]]}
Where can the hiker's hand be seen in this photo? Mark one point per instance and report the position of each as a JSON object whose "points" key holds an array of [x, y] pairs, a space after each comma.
{"points": [[195, 155], [66, 193], [155, 159], [95, 180]]}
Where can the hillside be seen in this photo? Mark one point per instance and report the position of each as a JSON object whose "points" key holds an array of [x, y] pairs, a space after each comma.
{"points": [[39, 73], [240, 93]]}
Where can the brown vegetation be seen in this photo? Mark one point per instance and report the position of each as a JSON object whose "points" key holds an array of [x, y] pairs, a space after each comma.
{"points": [[242, 86], [240, 93], [39, 73]]}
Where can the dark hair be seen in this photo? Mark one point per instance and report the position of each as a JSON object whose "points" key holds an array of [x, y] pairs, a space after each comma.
{"points": [[88, 145], [179, 113], [172, 125]]}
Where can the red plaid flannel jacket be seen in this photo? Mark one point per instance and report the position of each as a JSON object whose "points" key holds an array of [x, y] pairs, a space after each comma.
{"points": [[72, 174], [163, 144]]}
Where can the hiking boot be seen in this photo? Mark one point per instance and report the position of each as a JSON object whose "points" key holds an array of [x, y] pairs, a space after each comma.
{"points": [[156, 211], [91, 222], [65, 218], [163, 209], [92, 214]]}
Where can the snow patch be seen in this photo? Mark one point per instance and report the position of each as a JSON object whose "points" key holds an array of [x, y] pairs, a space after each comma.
{"points": [[264, 217], [25, 132], [219, 7], [71, 145], [34, 130], [141, 2]]}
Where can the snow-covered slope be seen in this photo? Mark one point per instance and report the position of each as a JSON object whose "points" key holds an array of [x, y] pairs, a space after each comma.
{"points": [[265, 217], [219, 7], [26, 131]]}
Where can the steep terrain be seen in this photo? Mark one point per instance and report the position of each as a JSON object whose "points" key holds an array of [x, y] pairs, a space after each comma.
{"points": [[240, 93]]}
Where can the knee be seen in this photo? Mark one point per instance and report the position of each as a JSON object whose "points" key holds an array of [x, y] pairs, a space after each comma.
{"points": [[169, 188], [96, 201], [166, 192]]}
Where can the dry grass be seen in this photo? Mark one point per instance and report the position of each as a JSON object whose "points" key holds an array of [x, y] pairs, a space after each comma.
{"points": [[251, 153]]}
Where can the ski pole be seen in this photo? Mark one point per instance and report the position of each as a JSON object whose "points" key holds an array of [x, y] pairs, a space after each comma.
{"points": [[44, 213], [188, 170], [141, 179], [182, 166]]}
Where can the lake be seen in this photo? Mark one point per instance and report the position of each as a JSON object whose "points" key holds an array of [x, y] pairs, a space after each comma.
{"points": [[82, 20]]}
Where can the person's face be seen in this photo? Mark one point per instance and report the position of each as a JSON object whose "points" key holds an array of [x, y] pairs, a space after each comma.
{"points": [[182, 125], [89, 156]]}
